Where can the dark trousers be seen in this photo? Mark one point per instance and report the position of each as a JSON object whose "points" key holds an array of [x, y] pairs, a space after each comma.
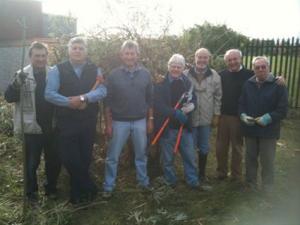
{"points": [[76, 139], [264, 149], [229, 134], [34, 145]]}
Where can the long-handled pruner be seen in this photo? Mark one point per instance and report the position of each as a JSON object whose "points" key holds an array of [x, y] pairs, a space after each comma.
{"points": [[184, 95], [159, 133], [179, 134]]}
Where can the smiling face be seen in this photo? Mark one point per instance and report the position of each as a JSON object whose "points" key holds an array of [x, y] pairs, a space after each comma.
{"points": [[233, 61], [175, 70], [129, 57], [261, 69], [202, 59], [77, 53], [38, 58]]}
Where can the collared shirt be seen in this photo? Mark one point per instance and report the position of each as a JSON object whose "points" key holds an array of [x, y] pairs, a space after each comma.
{"points": [[53, 83]]}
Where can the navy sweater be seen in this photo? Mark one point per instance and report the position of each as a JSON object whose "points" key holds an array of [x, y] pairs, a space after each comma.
{"points": [[232, 84]]}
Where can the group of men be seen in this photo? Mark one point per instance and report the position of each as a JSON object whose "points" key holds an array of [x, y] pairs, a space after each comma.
{"points": [[60, 108]]}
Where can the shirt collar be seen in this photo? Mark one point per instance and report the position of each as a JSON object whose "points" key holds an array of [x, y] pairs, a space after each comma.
{"points": [[132, 70]]}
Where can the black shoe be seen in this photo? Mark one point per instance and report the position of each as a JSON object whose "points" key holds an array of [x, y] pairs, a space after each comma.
{"points": [[51, 194], [33, 199]]}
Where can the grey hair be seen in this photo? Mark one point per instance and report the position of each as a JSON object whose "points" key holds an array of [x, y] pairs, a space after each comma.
{"points": [[202, 50], [231, 51], [176, 59], [77, 40], [131, 45], [259, 58]]}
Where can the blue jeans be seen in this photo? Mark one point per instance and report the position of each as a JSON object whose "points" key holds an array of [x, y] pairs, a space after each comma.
{"points": [[201, 135], [121, 131], [188, 155]]}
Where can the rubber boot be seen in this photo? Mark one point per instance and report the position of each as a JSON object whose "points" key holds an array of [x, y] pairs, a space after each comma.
{"points": [[202, 166]]}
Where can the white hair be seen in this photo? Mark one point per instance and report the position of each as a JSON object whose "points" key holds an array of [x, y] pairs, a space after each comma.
{"points": [[260, 58], [77, 40], [131, 45], [233, 50], [176, 59]]}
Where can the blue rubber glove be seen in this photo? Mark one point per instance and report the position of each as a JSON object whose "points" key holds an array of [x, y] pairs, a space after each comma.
{"points": [[180, 116], [248, 120], [264, 120]]}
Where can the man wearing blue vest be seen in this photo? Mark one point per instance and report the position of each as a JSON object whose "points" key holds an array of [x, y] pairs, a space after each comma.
{"points": [[72, 87]]}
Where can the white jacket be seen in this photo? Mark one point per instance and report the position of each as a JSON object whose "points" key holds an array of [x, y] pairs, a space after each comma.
{"points": [[209, 94], [30, 124]]}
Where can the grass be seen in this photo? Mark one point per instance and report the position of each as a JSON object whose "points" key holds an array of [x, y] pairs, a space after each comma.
{"points": [[227, 204]]}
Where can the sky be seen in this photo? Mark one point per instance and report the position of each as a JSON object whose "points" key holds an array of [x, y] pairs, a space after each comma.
{"points": [[253, 18]]}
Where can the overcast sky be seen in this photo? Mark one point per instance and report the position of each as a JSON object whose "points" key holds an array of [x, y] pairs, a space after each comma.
{"points": [[253, 18]]}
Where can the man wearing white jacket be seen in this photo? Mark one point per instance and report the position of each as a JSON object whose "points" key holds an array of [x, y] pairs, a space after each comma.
{"points": [[38, 123], [208, 90]]}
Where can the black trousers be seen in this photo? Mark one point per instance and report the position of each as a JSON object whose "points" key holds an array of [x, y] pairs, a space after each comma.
{"points": [[76, 139], [35, 144]]}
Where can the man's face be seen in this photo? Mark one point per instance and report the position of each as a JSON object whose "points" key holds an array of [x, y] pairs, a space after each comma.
{"points": [[261, 69], [77, 53], [129, 57], [175, 70], [202, 60], [233, 61], [38, 58]]}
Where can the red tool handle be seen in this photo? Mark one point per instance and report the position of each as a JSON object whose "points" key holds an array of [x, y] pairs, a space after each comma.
{"points": [[178, 139], [159, 133]]}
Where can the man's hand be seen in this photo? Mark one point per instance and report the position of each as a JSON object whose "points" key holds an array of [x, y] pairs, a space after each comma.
{"points": [[108, 122], [215, 121], [180, 116], [280, 81], [74, 102], [188, 107], [264, 120], [150, 125], [108, 129], [248, 120], [19, 79]]}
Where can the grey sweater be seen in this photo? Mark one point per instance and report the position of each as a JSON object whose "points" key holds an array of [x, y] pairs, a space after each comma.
{"points": [[129, 93]]}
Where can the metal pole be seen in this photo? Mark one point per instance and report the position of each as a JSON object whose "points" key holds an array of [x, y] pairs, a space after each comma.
{"points": [[22, 92]]}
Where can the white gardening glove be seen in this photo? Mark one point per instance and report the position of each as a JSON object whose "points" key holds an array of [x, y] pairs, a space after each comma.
{"points": [[188, 107], [248, 120]]}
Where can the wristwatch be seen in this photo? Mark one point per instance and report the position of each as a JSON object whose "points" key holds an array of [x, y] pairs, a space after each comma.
{"points": [[82, 98]]}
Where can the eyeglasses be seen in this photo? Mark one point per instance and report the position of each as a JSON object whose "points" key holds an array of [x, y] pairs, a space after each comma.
{"points": [[263, 67]]}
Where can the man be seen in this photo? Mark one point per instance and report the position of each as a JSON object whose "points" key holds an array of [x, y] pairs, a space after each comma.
{"points": [[128, 113], [229, 133], [38, 120], [72, 87], [166, 95], [208, 90], [263, 104], [233, 79]]}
